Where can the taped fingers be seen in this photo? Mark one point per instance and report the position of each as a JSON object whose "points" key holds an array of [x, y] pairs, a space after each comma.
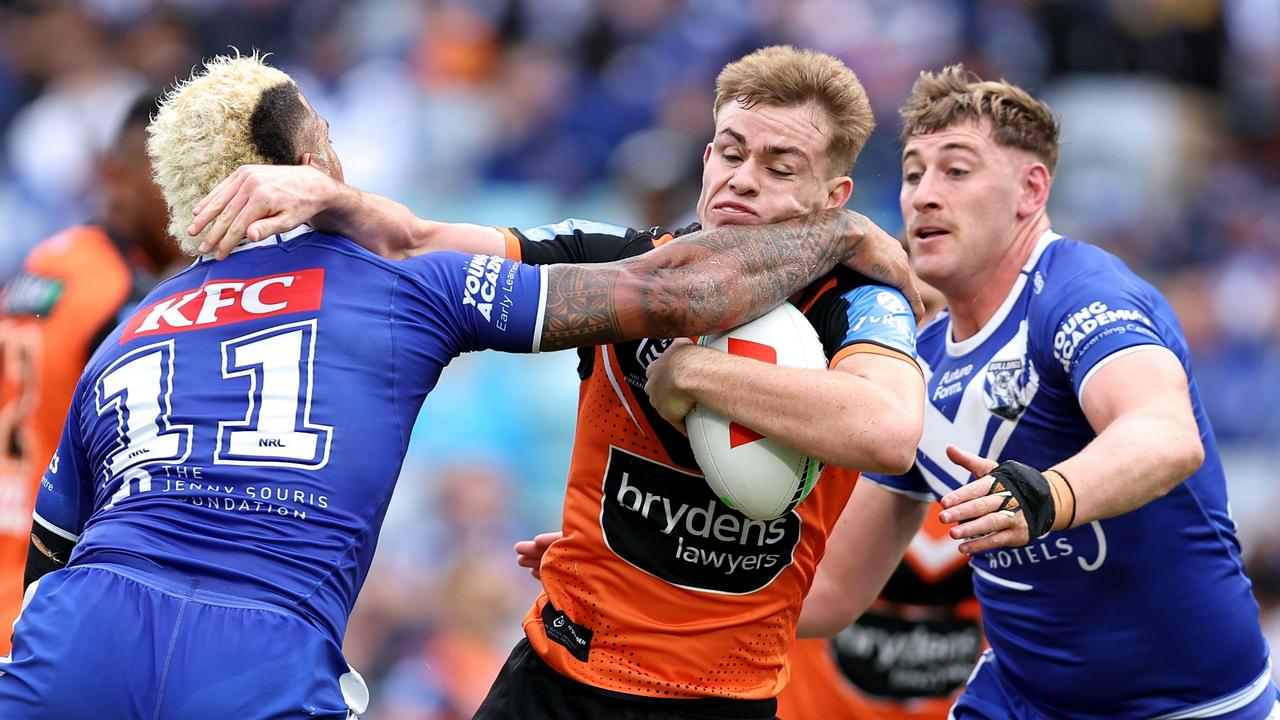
{"points": [[1029, 494]]}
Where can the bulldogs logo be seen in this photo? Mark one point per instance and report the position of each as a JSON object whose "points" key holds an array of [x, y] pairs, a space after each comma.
{"points": [[1009, 386]]}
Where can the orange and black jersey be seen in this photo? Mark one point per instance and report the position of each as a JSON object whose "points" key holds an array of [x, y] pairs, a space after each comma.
{"points": [[907, 657], [71, 292], [657, 588]]}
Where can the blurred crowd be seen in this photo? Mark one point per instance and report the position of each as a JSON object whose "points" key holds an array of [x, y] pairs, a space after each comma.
{"points": [[522, 112]]}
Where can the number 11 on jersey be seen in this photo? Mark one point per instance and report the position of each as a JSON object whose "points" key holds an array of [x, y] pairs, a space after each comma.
{"points": [[276, 428]]}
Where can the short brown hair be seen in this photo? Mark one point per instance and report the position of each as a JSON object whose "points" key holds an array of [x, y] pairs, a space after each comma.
{"points": [[955, 95], [782, 75]]}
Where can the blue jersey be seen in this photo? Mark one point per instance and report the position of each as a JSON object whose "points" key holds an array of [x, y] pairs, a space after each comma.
{"points": [[1139, 616], [244, 428]]}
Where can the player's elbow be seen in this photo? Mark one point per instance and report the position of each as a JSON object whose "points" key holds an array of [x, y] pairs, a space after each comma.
{"points": [[887, 446], [1187, 458], [891, 448], [897, 451]]}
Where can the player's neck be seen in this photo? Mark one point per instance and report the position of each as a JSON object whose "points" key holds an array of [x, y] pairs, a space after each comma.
{"points": [[973, 304]]}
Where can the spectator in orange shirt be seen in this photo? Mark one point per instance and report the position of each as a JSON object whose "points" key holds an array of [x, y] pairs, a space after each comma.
{"points": [[72, 290]]}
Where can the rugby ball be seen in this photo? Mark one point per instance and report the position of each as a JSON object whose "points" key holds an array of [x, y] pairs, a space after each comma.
{"points": [[752, 474]]}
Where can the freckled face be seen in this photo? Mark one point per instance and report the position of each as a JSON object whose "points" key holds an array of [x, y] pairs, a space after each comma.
{"points": [[767, 163]]}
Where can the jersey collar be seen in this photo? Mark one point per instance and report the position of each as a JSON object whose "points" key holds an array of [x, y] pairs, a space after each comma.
{"points": [[956, 349], [278, 238]]}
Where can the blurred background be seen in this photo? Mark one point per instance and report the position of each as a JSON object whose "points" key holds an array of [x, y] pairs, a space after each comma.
{"points": [[523, 112]]}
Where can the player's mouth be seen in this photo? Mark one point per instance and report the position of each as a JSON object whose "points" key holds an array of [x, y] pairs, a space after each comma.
{"points": [[928, 232], [733, 210]]}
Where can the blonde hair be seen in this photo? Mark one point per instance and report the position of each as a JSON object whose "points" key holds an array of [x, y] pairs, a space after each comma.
{"points": [[784, 76], [204, 130], [954, 95]]}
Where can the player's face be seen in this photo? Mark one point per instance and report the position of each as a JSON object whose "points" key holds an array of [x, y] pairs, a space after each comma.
{"points": [[767, 163], [959, 199], [323, 156]]}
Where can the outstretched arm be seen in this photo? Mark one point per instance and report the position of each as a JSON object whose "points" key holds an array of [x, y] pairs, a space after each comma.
{"points": [[257, 201], [702, 282], [1147, 443]]}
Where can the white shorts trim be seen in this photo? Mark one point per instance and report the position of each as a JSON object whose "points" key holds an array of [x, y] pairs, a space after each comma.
{"points": [[1227, 703]]}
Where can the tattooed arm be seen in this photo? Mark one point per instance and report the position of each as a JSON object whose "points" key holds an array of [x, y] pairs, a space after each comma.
{"points": [[706, 281], [256, 201]]}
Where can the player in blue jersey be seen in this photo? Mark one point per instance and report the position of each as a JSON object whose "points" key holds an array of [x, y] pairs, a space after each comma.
{"points": [[206, 523], [1104, 554], [641, 616]]}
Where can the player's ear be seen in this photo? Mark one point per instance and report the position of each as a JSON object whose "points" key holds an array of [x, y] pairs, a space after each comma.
{"points": [[306, 158], [706, 154], [1036, 182], [839, 190]]}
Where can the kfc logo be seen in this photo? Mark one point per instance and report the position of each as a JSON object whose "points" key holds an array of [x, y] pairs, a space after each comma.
{"points": [[223, 302]]}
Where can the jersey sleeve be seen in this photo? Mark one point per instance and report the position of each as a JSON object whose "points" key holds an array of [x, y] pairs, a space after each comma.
{"points": [[479, 302], [866, 318], [573, 241], [1092, 317], [911, 483], [64, 499]]}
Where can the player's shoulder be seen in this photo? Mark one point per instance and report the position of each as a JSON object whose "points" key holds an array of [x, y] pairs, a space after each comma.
{"points": [[347, 251], [1067, 262], [1074, 273], [573, 226]]}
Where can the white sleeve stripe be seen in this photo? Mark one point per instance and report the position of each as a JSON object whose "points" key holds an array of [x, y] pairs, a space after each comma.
{"points": [[1115, 356], [54, 528], [922, 497], [542, 309]]}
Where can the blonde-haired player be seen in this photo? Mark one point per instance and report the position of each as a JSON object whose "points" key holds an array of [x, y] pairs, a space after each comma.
{"points": [[660, 600], [213, 506]]}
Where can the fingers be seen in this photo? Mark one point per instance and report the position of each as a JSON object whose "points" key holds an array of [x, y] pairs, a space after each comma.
{"points": [[974, 508], [990, 530], [215, 211], [212, 203], [975, 464], [987, 525], [222, 235], [1003, 539], [917, 301], [966, 493], [529, 552], [544, 540]]}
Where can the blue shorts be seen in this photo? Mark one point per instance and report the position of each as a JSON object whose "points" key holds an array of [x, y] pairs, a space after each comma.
{"points": [[106, 641], [988, 697]]}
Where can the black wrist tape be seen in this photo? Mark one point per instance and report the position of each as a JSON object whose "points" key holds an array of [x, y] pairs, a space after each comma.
{"points": [[1030, 488]]}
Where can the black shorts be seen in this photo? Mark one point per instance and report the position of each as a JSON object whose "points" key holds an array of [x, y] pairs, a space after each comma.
{"points": [[528, 689]]}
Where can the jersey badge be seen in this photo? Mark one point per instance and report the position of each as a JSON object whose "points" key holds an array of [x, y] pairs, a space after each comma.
{"points": [[1009, 386]]}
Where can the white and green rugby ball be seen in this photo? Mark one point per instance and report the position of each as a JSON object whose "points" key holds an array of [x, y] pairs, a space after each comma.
{"points": [[755, 475]]}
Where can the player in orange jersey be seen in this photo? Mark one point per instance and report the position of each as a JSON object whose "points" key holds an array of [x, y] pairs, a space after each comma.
{"points": [[907, 656], [71, 291], [660, 600]]}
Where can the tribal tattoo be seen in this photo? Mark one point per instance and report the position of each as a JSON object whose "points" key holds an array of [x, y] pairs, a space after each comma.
{"points": [[702, 282]]}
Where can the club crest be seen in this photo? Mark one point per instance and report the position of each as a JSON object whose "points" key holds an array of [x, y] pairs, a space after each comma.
{"points": [[1009, 386]]}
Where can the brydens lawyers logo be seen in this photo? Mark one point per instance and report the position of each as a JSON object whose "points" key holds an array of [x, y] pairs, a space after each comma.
{"points": [[226, 301]]}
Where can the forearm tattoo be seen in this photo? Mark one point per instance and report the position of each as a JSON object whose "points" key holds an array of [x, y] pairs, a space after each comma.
{"points": [[705, 281]]}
